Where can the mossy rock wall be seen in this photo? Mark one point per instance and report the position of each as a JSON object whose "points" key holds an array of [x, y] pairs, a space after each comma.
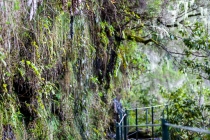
{"points": [[54, 84]]}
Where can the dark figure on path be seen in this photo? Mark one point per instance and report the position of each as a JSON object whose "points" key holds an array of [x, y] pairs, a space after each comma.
{"points": [[116, 110]]}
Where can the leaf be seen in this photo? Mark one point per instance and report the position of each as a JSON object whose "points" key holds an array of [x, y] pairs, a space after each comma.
{"points": [[28, 62], [17, 5], [5, 87], [5, 64], [100, 94]]}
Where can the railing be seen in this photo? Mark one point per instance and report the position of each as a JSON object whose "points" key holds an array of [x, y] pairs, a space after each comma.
{"points": [[165, 131], [123, 125]]}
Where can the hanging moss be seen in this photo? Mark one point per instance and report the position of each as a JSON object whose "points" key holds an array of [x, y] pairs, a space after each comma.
{"points": [[60, 66]]}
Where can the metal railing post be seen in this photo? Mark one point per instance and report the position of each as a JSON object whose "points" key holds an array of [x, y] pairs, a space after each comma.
{"points": [[147, 117], [136, 123], [167, 112], [163, 114], [128, 122], [125, 127], [117, 131], [121, 124], [152, 122], [165, 133]]}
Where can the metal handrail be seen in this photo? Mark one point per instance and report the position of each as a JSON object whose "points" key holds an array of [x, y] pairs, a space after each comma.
{"points": [[143, 125], [146, 107], [195, 129], [165, 130]]}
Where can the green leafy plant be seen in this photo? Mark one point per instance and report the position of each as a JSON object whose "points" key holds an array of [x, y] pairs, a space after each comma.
{"points": [[185, 111]]}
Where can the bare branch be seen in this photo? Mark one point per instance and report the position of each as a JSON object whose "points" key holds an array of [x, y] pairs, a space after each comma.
{"points": [[140, 39]]}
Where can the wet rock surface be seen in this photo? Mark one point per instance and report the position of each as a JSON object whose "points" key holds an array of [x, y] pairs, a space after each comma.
{"points": [[8, 133]]}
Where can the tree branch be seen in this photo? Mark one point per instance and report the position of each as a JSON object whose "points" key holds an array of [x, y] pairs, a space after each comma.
{"points": [[139, 39]]}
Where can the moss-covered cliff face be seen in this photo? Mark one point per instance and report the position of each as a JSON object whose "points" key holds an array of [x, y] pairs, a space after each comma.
{"points": [[56, 68], [63, 62]]}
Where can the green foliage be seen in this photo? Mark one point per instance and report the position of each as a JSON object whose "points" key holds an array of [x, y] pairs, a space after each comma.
{"points": [[197, 44], [198, 40], [54, 76], [11, 115], [184, 110], [106, 30], [154, 7]]}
